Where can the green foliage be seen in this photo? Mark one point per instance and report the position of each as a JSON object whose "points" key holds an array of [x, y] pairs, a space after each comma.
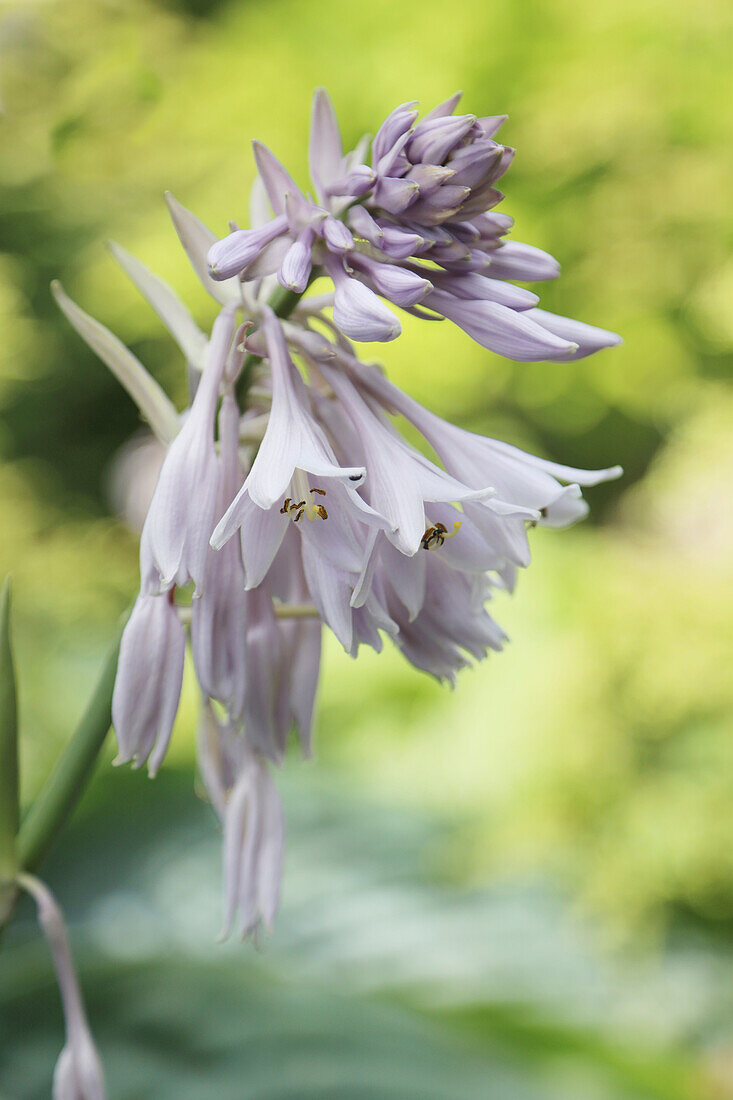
{"points": [[378, 983]]}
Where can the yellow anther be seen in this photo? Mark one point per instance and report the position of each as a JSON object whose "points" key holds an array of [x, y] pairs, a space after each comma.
{"points": [[296, 509]]}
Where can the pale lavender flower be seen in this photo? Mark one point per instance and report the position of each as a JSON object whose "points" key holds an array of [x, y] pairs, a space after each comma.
{"points": [[399, 479], [148, 683], [175, 538], [523, 482], [78, 1074], [244, 795], [452, 624], [311, 507], [219, 615]]}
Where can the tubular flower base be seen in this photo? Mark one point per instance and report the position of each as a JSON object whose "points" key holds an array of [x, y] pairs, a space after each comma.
{"points": [[300, 503]]}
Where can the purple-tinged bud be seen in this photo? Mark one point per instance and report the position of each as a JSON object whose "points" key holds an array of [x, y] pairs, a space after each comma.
{"points": [[454, 253], [589, 338], [524, 262], [440, 205], [148, 683], [325, 151], [500, 329], [473, 286], [398, 244], [482, 198], [397, 284], [394, 162], [489, 124], [295, 269], [446, 108], [239, 249], [356, 183], [473, 164], [432, 140], [395, 126], [336, 235], [357, 311], [429, 177], [364, 225], [394, 195], [280, 186], [493, 225]]}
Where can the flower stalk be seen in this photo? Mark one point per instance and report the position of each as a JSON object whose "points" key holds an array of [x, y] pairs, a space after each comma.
{"points": [[9, 782], [282, 302], [72, 772]]}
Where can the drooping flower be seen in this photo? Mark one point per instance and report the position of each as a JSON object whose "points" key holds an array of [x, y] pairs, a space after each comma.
{"points": [[219, 615], [78, 1074], [148, 683], [309, 506], [175, 539], [244, 795]]}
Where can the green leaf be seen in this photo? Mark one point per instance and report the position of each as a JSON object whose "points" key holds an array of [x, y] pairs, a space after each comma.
{"points": [[9, 798]]}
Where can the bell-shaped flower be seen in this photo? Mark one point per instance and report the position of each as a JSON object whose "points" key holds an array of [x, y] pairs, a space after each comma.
{"points": [[219, 616], [148, 683], [175, 538], [245, 797], [78, 1074], [299, 643], [521, 480], [399, 479], [293, 441], [451, 625]]}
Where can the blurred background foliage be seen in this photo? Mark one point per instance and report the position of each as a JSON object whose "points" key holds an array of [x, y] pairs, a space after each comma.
{"points": [[523, 888]]}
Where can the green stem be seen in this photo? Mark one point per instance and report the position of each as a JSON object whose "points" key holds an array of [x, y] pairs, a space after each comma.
{"points": [[282, 302], [72, 772], [9, 798], [9, 779]]}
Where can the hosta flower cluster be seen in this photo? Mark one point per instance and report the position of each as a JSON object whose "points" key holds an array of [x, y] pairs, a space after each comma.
{"points": [[288, 498]]}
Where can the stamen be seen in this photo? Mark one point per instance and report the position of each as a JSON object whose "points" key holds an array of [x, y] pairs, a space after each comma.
{"points": [[436, 535], [299, 508]]}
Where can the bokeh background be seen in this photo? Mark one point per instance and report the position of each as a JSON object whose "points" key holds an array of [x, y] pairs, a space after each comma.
{"points": [[524, 888]]}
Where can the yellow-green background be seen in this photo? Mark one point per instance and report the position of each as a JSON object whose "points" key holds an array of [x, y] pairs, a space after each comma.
{"points": [[592, 762]]}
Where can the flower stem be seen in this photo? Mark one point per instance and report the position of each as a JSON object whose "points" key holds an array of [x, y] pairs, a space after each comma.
{"points": [[282, 302], [9, 780], [296, 611], [72, 771], [9, 798]]}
